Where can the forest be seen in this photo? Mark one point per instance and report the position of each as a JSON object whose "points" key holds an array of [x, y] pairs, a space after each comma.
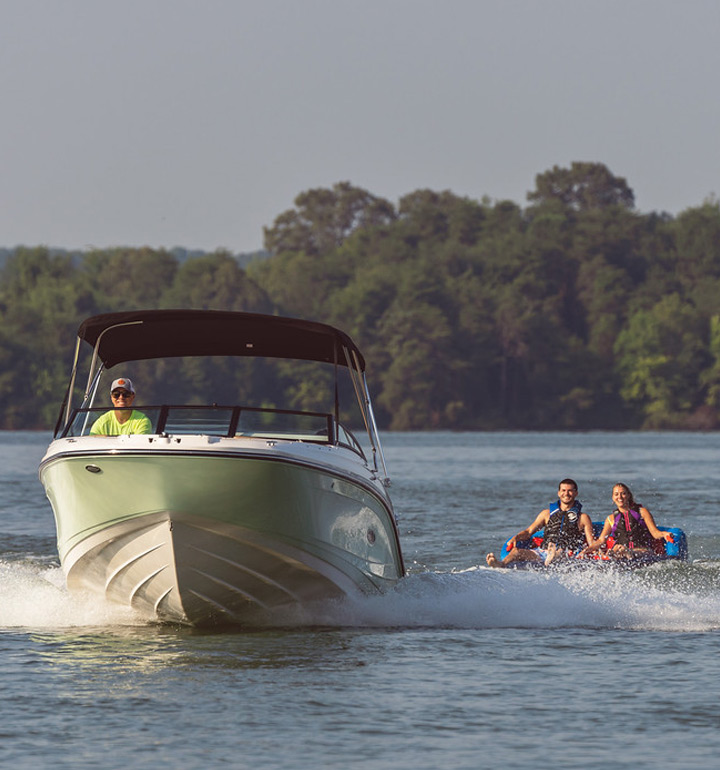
{"points": [[574, 312]]}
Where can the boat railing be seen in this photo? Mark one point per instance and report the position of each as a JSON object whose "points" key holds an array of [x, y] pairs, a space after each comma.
{"points": [[228, 422]]}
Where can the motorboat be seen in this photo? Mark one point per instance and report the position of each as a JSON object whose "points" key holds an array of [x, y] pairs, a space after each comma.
{"points": [[226, 512]]}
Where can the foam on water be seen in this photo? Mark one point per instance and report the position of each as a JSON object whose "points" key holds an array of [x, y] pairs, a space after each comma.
{"points": [[488, 598], [34, 596], [668, 598]]}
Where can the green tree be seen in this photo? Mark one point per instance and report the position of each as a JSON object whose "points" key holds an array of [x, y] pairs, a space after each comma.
{"points": [[323, 218], [697, 254], [710, 378], [582, 187], [297, 283], [42, 296], [660, 356], [214, 282], [417, 390], [129, 278], [577, 311], [427, 215]]}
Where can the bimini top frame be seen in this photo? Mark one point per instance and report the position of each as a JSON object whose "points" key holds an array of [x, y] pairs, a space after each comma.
{"points": [[146, 334]]}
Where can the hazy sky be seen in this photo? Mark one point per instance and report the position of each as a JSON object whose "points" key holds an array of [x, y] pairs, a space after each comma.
{"points": [[196, 122]]}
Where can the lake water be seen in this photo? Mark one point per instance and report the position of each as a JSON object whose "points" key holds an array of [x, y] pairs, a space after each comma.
{"points": [[460, 667]]}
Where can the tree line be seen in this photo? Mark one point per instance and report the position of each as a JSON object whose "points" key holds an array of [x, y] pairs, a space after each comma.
{"points": [[575, 311]]}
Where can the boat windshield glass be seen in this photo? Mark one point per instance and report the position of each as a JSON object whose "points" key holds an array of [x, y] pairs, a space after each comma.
{"points": [[223, 421], [264, 397]]}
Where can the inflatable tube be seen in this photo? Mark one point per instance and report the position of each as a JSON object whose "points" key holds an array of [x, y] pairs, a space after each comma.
{"points": [[662, 550]]}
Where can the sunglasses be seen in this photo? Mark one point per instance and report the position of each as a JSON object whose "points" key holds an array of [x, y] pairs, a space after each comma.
{"points": [[121, 394]]}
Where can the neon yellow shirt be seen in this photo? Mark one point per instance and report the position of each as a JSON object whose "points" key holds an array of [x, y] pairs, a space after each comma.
{"points": [[108, 425]]}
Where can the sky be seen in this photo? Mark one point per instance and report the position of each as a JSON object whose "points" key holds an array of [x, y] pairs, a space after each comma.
{"points": [[195, 123]]}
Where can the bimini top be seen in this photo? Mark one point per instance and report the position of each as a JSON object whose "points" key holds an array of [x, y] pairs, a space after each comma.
{"points": [[142, 334]]}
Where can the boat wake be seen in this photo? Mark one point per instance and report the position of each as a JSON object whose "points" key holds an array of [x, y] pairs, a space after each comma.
{"points": [[666, 597]]}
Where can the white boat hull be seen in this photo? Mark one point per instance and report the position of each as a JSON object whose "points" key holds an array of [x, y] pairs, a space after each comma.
{"points": [[203, 531]]}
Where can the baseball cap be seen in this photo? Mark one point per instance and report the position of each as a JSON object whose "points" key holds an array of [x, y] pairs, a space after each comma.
{"points": [[123, 382]]}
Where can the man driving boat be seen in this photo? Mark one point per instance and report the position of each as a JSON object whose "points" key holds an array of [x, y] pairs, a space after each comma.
{"points": [[123, 419]]}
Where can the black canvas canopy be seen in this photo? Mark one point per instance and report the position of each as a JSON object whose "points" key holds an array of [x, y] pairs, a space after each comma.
{"points": [[143, 334]]}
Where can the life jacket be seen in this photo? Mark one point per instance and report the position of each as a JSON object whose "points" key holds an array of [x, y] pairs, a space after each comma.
{"points": [[633, 533], [562, 527]]}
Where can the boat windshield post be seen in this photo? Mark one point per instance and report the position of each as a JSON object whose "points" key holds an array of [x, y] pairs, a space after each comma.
{"points": [[89, 398], [375, 439], [93, 364], [336, 429], [66, 405], [357, 375], [92, 394]]}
